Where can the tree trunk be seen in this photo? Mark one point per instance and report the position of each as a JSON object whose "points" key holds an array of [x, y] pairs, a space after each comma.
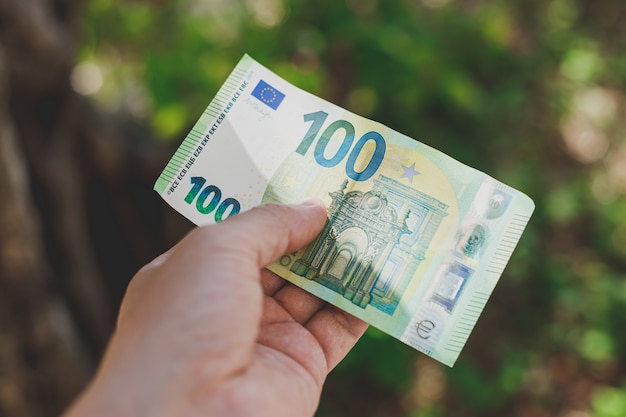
{"points": [[77, 214]]}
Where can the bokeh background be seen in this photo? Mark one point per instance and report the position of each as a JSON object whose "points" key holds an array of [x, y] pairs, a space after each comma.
{"points": [[95, 96]]}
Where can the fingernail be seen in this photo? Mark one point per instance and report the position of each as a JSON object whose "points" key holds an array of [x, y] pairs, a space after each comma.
{"points": [[311, 202]]}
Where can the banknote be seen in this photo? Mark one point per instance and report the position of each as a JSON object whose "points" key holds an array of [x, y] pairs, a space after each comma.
{"points": [[415, 241]]}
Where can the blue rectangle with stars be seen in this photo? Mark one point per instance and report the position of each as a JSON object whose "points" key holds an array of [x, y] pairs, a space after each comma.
{"points": [[268, 94]]}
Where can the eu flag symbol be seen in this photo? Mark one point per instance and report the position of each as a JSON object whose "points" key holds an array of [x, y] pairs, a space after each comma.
{"points": [[268, 94]]}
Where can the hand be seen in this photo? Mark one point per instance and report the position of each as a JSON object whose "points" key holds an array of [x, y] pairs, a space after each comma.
{"points": [[205, 330]]}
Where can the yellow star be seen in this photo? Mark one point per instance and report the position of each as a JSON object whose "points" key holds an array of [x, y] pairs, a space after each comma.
{"points": [[290, 182]]}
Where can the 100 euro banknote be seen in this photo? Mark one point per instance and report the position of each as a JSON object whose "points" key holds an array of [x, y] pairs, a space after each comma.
{"points": [[415, 240]]}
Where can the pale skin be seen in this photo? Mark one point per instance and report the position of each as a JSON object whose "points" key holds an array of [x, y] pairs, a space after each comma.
{"points": [[206, 330]]}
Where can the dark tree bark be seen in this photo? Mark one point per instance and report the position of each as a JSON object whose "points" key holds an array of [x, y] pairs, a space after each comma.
{"points": [[42, 361], [77, 214]]}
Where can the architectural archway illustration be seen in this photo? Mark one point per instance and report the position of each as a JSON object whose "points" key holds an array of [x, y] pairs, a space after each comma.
{"points": [[373, 242]]}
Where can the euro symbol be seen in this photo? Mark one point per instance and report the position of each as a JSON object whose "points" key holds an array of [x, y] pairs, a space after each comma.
{"points": [[424, 328]]}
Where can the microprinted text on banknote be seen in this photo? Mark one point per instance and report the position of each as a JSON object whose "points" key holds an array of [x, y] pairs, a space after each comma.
{"points": [[415, 241]]}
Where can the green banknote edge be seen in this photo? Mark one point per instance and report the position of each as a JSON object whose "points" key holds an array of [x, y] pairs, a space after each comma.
{"points": [[208, 117]]}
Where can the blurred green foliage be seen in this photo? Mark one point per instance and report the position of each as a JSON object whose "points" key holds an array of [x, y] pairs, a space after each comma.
{"points": [[532, 92]]}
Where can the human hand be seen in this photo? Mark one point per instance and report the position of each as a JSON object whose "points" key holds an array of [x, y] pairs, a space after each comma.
{"points": [[205, 330]]}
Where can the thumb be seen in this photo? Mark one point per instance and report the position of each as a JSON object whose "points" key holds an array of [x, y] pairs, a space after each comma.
{"points": [[266, 232]]}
